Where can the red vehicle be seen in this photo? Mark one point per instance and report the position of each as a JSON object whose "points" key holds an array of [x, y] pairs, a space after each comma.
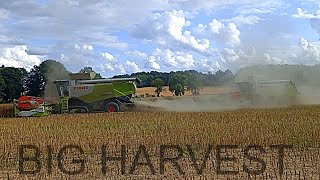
{"points": [[26, 103]]}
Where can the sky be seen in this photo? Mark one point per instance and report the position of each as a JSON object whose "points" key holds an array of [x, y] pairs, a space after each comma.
{"points": [[128, 36]]}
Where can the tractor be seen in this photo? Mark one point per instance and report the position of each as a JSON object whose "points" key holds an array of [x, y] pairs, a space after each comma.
{"points": [[82, 94]]}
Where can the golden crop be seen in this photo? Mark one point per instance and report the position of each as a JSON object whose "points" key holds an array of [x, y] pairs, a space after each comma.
{"points": [[298, 126], [6, 110]]}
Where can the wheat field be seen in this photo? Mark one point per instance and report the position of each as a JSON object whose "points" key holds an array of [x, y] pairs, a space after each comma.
{"points": [[298, 126], [6, 110]]}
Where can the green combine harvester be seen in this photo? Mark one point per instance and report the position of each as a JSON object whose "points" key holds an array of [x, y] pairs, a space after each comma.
{"points": [[82, 94], [263, 92]]}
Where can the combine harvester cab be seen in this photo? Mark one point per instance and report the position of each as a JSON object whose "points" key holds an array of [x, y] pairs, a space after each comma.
{"points": [[83, 94]]}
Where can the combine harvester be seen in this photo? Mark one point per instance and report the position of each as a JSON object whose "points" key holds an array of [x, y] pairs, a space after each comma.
{"points": [[253, 92], [257, 91], [81, 94]]}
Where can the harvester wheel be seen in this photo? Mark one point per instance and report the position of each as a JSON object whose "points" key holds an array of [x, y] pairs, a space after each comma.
{"points": [[112, 107], [83, 110]]}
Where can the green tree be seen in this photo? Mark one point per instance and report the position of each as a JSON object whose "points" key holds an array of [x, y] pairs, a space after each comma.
{"points": [[13, 80], [177, 84], [179, 90], [2, 88], [194, 84], [35, 82], [158, 84], [89, 70]]}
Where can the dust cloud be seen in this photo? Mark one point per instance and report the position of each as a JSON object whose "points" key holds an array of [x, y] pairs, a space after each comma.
{"points": [[308, 95], [51, 93], [189, 103]]}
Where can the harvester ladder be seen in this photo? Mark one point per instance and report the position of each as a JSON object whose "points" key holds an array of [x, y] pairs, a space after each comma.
{"points": [[64, 105], [15, 110]]}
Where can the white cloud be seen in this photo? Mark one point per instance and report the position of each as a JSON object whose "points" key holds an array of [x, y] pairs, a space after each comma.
{"points": [[200, 45], [18, 57], [113, 66], [11, 40], [305, 15], [110, 69], [88, 47], [244, 6], [254, 11], [167, 29], [311, 51], [106, 68], [274, 60], [173, 59], [228, 34], [151, 63], [120, 69], [314, 18], [244, 20], [267, 56], [277, 60], [132, 67], [84, 48], [4, 14], [205, 65], [229, 55], [137, 54], [261, 7], [109, 57]]}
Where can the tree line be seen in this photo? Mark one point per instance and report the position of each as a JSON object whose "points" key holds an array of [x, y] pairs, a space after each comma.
{"points": [[181, 81], [15, 82], [219, 78]]}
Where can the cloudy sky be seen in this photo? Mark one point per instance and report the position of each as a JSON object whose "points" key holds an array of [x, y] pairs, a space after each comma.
{"points": [[126, 36]]}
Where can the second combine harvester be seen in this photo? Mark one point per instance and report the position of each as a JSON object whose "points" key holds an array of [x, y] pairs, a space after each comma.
{"points": [[268, 92]]}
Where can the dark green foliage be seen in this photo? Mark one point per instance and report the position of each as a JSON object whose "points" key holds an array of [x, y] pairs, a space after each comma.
{"points": [[177, 84], [207, 79], [178, 90], [158, 84], [35, 82], [2, 88], [11, 82], [195, 83]]}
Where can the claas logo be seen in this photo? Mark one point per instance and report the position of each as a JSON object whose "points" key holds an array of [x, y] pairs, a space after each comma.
{"points": [[81, 88]]}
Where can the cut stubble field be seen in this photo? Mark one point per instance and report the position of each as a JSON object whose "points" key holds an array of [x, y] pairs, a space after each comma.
{"points": [[298, 126]]}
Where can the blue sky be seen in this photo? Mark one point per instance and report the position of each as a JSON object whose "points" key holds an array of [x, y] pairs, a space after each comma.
{"points": [[118, 37]]}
